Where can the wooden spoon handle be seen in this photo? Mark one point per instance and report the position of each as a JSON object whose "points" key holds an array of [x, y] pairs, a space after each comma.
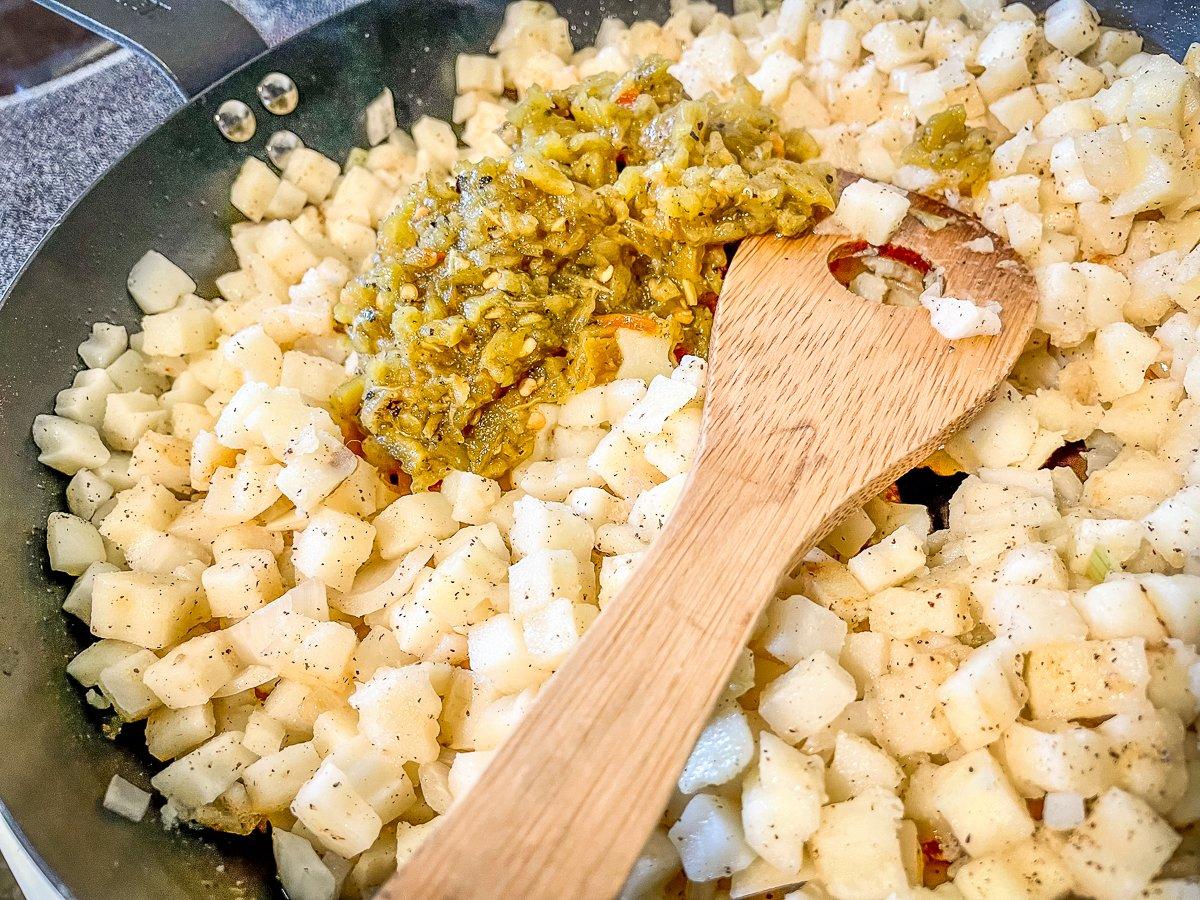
{"points": [[540, 822]]}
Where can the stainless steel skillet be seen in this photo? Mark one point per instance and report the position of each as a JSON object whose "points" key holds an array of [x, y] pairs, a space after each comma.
{"points": [[171, 193]]}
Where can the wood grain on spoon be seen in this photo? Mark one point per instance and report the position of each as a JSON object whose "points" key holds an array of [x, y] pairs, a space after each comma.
{"points": [[817, 400]]}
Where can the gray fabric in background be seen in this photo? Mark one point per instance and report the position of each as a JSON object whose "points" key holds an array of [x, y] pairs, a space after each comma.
{"points": [[56, 140]]}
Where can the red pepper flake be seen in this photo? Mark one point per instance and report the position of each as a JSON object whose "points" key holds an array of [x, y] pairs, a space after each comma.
{"points": [[627, 96]]}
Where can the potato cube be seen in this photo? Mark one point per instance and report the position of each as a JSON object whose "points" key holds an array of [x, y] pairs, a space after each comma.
{"points": [[302, 873], [379, 780], [398, 712], [1042, 757], [1029, 616], [1072, 26], [253, 189], [857, 846], [79, 599], [412, 520], [68, 446], [1173, 527], [203, 775], [335, 813], [781, 802], [312, 172], [871, 210], [152, 611], [554, 630], [466, 770], [807, 697], [179, 332], [157, 284], [904, 613], [126, 800], [858, 766], [983, 808], [123, 683], [240, 582], [796, 628], [315, 377], [1120, 608], [173, 732], [709, 839], [1176, 600], [471, 496], [498, 652], [984, 696], [906, 697], [540, 525], [93, 659], [1119, 848], [1085, 679], [1030, 869], [893, 560], [541, 577], [72, 544], [105, 344], [332, 548], [190, 674], [273, 781], [723, 749], [142, 508]]}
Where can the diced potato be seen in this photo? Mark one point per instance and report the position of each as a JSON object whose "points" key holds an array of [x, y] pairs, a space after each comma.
{"points": [[723, 749], [157, 284], [540, 525], [398, 712], [152, 611], [68, 446], [781, 802], [332, 548], [207, 772], [312, 173], [870, 210], [498, 652], [892, 561], [807, 697], [338, 815], [910, 714], [105, 344], [253, 189], [412, 520], [174, 732], [796, 628], [240, 582], [273, 781], [858, 766], [190, 674], [79, 599], [983, 808], [72, 544], [904, 613], [1087, 678], [178, 332], [984, 695], [655, 866], [1119, 848], [857, 846], [709, 839], [301, 871], [123, 683]]}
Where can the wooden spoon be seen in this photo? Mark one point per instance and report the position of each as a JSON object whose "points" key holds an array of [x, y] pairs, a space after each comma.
{"points": [[817, 400]]}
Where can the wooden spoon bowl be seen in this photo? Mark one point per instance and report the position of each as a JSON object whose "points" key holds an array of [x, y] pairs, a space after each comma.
{"points": [[817, 400]]}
